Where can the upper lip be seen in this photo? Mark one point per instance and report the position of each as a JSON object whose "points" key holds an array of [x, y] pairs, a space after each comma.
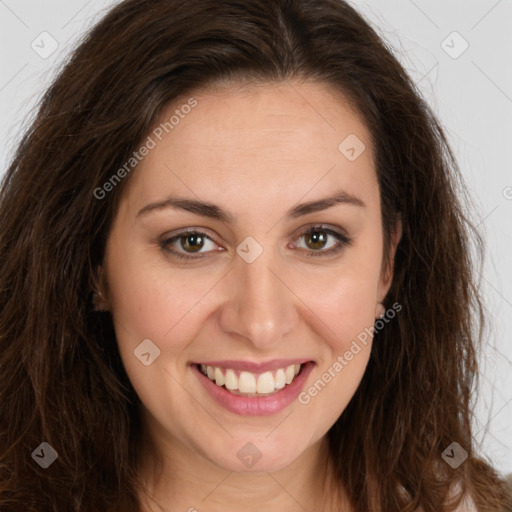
{"points": [[249, 366]]}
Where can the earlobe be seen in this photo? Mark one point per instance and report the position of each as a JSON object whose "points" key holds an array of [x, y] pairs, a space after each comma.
{"points": [[98, 303], [380, 310]]}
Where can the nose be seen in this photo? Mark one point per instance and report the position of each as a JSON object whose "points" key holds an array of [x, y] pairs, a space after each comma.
{"points": [[260, 305]]}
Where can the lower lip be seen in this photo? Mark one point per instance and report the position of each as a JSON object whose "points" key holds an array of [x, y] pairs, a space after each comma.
{"points": [[256, 406]]}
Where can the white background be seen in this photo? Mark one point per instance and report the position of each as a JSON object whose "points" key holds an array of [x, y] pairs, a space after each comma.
{"points": [[471, 94]]}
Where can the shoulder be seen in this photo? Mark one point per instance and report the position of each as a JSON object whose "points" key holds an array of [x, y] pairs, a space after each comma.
{"points": [[466, 505]]}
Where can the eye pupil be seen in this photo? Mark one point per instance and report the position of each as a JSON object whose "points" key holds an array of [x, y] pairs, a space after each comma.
{"points": [[195, 238], [318, 237]]}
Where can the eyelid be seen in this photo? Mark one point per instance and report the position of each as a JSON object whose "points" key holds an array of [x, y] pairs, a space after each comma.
{"points": [[192, 230], [338, 233], [166, 240]]}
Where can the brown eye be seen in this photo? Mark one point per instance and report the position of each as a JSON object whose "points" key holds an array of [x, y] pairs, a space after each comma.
{"points": [[194, 242], [189, 242], [318, 239], [184, 245]]}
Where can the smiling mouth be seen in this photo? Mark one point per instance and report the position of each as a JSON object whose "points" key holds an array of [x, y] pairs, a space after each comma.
{"points": [[248, 384]]}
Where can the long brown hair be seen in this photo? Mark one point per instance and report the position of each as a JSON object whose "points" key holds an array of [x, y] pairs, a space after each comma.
{"points": [[61, 376]]}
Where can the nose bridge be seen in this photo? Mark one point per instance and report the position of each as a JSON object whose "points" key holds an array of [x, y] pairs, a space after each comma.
{"points": [[260, 305]]}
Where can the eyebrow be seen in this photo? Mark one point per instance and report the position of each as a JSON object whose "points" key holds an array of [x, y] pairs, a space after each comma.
{"points": [[206, 209]]}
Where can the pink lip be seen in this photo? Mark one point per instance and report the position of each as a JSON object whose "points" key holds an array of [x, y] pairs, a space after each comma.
{"points": [[255, 406], [247, 366]]}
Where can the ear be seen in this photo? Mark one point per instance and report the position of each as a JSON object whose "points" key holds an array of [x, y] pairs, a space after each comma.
{"points": [[100, 298], [386, 276]]}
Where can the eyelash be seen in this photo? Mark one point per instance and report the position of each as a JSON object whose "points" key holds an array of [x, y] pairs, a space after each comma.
{"points": [[343, 240]]}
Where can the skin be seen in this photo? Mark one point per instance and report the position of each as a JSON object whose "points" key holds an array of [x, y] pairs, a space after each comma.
{"points": [[255, 152]]}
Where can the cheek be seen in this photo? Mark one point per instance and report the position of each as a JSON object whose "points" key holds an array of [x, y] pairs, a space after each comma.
{"points": [[345, 302], [150, 300], [346, 298], [348, 314]]}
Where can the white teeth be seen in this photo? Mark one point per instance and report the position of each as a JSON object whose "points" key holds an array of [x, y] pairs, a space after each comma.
{"points": [[219, 377], [248, 382], [280, 379], [231, 381], [265, 383], [290, 373]]}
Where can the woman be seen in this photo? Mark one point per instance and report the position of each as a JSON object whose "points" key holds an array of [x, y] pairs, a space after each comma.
{"points": [[140, 376]]}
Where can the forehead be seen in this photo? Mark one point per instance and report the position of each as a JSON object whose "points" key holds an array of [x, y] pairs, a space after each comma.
{"points": [[267, 141]]}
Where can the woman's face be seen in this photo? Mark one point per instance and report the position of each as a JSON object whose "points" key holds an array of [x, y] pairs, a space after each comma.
{"points": [[250, 173]]}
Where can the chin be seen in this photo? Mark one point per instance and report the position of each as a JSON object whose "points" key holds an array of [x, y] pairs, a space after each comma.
{"points": [[253, 456]]}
